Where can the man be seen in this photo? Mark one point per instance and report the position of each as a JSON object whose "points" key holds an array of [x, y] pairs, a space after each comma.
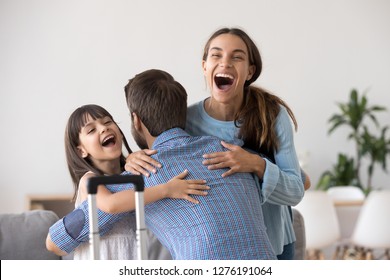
{"points": [[226, 224]]}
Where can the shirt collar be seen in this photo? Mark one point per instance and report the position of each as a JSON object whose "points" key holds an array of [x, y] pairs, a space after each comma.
{"points": [[169, 135]]}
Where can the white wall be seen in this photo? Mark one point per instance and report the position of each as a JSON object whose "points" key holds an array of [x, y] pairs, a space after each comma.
{"points": [[56, 55]]}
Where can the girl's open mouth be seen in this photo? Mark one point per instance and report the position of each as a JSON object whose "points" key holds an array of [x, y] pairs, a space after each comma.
{"points": [[109, 141]]}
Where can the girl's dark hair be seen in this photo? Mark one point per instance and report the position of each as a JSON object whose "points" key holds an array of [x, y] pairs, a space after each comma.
{"points": [[154, 89], [78, 165], [257, 115]]}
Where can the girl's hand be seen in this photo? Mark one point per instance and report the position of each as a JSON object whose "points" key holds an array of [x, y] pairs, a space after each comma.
{"points": [[177, 187], [141, 163], [237, 159]]}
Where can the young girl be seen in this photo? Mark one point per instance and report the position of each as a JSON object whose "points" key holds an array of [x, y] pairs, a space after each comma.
{"points": [[93, 145]]}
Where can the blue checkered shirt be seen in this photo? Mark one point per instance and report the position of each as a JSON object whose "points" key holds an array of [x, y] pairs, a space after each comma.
{"points": [[226, 224]]}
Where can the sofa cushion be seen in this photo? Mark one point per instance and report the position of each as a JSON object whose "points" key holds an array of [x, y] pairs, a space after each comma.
{"points": [[23, 236]]}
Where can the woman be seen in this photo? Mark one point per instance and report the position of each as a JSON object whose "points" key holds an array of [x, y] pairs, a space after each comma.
{"points": [[237, 110]]}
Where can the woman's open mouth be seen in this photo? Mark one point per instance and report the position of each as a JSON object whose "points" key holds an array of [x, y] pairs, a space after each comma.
{"points": [[223, 81]]}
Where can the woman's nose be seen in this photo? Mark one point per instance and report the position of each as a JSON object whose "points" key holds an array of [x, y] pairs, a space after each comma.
{"points": [[225, 63]]}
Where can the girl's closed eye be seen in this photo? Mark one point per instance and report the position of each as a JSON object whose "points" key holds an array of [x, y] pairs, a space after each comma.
{"points": [[88, 129], [91, 130]]}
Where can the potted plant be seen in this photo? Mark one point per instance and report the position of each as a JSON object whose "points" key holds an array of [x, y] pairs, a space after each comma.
{"points": [[354, 114]]}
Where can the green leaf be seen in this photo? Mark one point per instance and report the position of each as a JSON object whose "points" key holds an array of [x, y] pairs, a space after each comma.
{"points": [[354, 115]]}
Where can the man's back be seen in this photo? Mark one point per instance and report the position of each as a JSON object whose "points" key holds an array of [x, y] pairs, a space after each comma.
{"points": [[226, 224]]}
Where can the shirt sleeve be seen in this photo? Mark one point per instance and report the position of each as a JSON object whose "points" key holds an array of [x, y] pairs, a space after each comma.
{"points": [[282, 183], [72, 230]]}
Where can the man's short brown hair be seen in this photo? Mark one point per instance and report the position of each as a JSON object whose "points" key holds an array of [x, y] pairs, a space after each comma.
{"points": [[158, 100]]}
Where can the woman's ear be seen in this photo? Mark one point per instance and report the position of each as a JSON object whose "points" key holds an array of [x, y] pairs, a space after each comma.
{"points": [[204, 67], [252, 69]]}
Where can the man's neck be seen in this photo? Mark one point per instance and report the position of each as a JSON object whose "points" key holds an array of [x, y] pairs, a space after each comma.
{"points": [[150, 140]]}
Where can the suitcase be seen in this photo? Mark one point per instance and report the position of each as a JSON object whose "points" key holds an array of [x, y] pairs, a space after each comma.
{"points": [[94, 237]]}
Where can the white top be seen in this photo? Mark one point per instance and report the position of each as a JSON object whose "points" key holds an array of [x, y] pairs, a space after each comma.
{"points": [[120, 243]]}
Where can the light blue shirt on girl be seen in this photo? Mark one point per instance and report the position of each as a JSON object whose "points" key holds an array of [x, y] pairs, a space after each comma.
{"points": [[281, 184]]}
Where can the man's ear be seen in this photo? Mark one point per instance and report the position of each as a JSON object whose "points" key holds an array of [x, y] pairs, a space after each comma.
{"points": [[82, 152], [136, 121]]}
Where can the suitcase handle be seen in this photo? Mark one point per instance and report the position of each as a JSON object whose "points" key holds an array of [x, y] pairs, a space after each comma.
{"points": [[137, 180], [139, 186]]}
